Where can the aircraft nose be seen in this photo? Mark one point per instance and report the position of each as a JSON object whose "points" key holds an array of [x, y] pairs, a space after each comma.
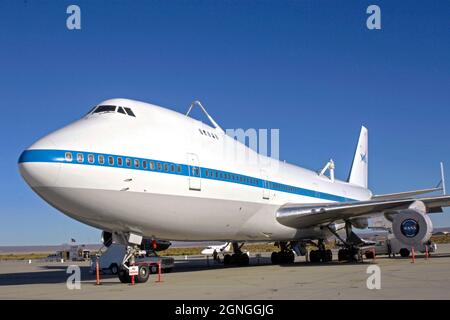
{"points": [[40, 164]]}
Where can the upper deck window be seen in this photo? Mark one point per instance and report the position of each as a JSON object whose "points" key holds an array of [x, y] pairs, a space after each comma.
{"points": [[105, 108]]}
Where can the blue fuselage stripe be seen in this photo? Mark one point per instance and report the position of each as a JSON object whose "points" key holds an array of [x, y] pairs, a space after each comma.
{"points": [[134, 163]]}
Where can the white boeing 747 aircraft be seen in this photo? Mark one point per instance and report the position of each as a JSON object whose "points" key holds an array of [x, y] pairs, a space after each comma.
{"points": [[139, 171]]}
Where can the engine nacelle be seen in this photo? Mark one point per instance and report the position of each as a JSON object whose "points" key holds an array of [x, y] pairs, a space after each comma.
{"points": [[412, 227]]}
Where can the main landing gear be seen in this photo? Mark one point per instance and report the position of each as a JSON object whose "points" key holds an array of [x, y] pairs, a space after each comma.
{"points": [[284, 256], [238, 258], [321, 254], [350, 251]]}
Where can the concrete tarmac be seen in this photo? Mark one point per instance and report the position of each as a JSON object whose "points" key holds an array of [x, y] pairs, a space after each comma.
{"points": [[195, 279]]}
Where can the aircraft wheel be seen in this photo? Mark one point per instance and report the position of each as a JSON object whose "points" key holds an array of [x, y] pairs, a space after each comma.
{"points": [[314, 256], [244, 260], [328, 255], [404, 252], [227, 260], [274, 257], [290, 257], [143, 274], [124, 277], [343, 255]]}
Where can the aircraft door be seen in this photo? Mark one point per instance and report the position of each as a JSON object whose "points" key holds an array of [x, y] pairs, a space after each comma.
{"points": [[194, 172], [265, 185]]}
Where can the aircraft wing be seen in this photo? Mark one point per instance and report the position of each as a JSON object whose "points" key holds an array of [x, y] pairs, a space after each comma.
{"points": [[308, 215]]}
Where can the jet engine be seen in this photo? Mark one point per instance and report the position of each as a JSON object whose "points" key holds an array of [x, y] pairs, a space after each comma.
{"points": [[412, 227]]}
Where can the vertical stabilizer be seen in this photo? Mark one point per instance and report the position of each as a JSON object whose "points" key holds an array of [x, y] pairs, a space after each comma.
{"points": [[358, 172]]}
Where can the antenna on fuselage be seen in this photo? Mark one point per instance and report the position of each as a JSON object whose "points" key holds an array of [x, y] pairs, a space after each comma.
{"points": [[198, 103]]}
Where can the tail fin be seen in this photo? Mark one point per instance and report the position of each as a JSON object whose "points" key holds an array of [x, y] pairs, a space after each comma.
{"points": [[358, 172]]}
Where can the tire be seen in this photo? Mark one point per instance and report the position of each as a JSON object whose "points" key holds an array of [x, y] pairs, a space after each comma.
{"points": [[143, 274], [124, 276], [244, 260], [369, 255], [314, 256], [275, 257], [290, 257], [343, 255], [328, 255], [114, 268], [227, 260], [404, 252]]}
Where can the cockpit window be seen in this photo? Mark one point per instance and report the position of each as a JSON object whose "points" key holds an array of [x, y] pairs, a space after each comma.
{"points": [[128, 110], [105, 108], [120, 110]]}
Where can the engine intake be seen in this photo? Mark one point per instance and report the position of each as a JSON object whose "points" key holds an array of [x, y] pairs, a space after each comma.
{"points": [[412, 227]]}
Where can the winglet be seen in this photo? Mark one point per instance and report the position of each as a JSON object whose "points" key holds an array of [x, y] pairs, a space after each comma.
{"points": [[359, 169]]}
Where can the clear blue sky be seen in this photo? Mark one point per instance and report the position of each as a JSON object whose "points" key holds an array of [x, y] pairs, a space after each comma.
{"points": [[310, 68]]}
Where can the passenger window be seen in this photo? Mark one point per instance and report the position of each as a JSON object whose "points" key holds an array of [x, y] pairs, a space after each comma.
{"points": [[91, 158], [144, 164], [136, 163], [119, 161], [179, 168], [111, 161], [68, 156], [80, 157], [101, 159], [166, 167], [172, 168], [128, 110], [152, 165], [159, 166], [120, 110], [200, 131], [128, 162], [206, 173]]}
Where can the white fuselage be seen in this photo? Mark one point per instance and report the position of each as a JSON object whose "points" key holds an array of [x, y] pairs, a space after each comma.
{"points": [[202, 189]]}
